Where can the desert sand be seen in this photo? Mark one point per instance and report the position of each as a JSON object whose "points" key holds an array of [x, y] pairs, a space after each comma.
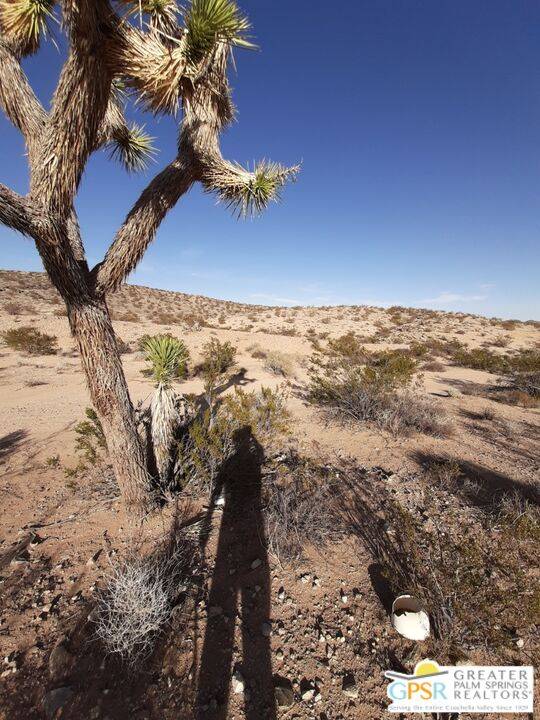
{"points": [[48, 581]]}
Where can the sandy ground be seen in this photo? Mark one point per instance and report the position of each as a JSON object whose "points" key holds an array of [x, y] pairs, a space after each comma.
{"points": [[48, 582]]}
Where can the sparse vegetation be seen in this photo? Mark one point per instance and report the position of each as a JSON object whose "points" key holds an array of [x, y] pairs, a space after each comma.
{"points": [[90, 442], [300, 508], [209, 441], [353, 384], [28, 340], [279, 363], [139, 595]]}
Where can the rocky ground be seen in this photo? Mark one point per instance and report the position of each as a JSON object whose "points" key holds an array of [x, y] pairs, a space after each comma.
{"points": [[253, 637]]}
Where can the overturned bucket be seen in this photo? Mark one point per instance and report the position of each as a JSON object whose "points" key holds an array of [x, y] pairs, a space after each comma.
{"points": [[409, 618]]}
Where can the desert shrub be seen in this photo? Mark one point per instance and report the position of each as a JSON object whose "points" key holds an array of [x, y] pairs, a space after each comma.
{"points": [[518, 398], [138, 598], [418, 349], [209, 440], [406, 412], [123, 346], [444, 473], [165, 318], [218, 359], [520, 372], [256, 351], [90, 439], [520, 517], [279, 363], [444, 348], [264, 413], [355, 385], [433, 366], [14, 308], [193, 321], [481, 359], [29, 340], [299, 508]]}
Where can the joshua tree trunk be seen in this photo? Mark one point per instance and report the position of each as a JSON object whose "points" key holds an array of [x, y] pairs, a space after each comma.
{"points": [[92, 328]]}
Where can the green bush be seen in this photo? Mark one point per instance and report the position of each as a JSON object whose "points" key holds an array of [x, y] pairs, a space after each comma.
{"points": [[90, 437], [209, 441], [352, 384], [29, 340]]}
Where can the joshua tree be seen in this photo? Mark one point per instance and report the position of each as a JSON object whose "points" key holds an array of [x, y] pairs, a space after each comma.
{"points": [[175, 61], [167, 357]]}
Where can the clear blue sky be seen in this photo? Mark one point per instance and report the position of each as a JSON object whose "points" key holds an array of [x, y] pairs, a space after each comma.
{"points": [[418, 125]]}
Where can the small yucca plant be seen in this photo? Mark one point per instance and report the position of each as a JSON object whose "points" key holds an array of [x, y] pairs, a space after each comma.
{"points": [[167, 357]]}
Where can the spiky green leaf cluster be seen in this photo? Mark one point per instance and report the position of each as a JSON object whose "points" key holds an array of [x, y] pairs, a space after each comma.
{"points": [[161, 11], [25, 21], [250, 193], [134, 148], [211, 21], [167, 357]]}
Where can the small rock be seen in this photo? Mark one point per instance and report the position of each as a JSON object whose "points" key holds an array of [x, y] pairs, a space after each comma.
{"points": [[60, 662], [266, 629], [238, 683], [256, 563], [520, 642], [56, 699], [283, 692], [92, 561]]}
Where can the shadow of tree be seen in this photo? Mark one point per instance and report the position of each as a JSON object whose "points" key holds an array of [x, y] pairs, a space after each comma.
{"points": [[479, 485], [11, 442]]}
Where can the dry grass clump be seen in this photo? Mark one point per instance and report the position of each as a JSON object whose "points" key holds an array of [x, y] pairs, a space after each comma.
{"points": [[256, 351], [14, 308], [352, 384], [139, 595], [299, 508], [433, 366], [31, 341], [279, 363]]}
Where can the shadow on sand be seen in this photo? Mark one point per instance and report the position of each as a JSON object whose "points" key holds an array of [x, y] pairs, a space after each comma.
{"points": [[240, 590]]}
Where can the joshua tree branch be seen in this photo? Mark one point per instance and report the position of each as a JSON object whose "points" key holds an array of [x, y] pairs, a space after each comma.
{"points": [[78, 109], [17, 99], [15, 212], [140, 226]]}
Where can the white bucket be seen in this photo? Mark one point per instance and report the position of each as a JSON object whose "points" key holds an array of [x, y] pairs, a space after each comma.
{"points": [[409, 619]]}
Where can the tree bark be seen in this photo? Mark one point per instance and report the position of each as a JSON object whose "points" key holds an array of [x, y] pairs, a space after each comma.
{"points": [[92, 328]]}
